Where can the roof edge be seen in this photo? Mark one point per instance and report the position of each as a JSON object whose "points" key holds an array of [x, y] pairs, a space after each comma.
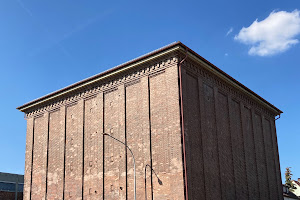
{"points": [[229, 79], [142, 59], [145, 58]]}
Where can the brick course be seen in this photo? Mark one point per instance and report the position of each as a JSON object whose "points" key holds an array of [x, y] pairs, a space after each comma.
{"points": [[239, 146], [230, 139]]}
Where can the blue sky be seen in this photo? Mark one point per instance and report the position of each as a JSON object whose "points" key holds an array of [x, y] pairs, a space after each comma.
{"points": [[47, 45]]}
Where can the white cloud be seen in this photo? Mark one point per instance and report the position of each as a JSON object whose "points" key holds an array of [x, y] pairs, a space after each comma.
{"points": [[273, 35], [228, 32]]}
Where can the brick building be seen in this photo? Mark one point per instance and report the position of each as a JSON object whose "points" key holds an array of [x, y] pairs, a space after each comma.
{"points": [[11, 186], [205, 135]]}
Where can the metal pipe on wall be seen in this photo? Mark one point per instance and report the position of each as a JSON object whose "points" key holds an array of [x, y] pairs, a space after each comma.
{"points": [[182, 124], [132, 157]]}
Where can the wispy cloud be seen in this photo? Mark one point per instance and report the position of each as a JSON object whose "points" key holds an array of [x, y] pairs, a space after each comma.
{"points": [[229, 31], [273, 35], [57, 41], [24, 7], [29, 12]]}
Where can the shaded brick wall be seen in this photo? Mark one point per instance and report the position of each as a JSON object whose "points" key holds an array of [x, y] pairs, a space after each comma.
{"points": [[10, 195], [73, 160], [231, 143]]}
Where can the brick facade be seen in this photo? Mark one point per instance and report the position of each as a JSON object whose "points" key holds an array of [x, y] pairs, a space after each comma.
{"points": [[229, 151], [237, 157], [10, 195]]}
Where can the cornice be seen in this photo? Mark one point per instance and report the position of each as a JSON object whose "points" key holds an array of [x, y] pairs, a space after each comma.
{"points": [[152, 56], [209, 67], [107, 85], [132, 70], [230, 89]]}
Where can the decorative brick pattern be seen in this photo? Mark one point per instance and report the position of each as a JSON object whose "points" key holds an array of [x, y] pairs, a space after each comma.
{"points": [[28, 159], [276, 157], [238, 152], [165, 135], [263, 182], [114, 152], [251, 168], [56, 155], [74, 151], [93, 148], [105, 85], [193, 137], [230, 139], [38, 185], [210, 145], [225, 146], [221, 84], [270, 157], [138, 137], [231, 136]]}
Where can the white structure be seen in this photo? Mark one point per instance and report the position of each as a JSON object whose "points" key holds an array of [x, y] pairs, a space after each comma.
{"points": [[297, 185], [287, 195]]}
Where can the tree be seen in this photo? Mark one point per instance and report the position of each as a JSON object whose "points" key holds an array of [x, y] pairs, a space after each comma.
{"points": [[288, 179]]}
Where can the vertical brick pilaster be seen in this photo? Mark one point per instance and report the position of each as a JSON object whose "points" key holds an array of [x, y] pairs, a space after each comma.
{"points": [[210, 149], [276, 158], [122, 149], [93, 148], [114, 152], [251, 169], [260, 156], [56, 154], [39, 167], [224, 146], [28, 158], [270, 160], [138, 138], [238, 150], [193, 135], [166, 135], [74, 151]]}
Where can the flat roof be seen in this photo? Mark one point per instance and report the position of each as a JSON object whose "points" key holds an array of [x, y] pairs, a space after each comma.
{"points": [[8, 177], [176, 46]]}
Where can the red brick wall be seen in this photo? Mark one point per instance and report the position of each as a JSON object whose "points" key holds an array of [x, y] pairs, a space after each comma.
{"points": [[39, 165], [93, 148], [56, 154], [238, 152], [231, 144], [114, 152], [28, 159], [193, 142], [260, 156], [10, 195], [166, 135], [138, 136], [141, 109], [74, 151]]}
